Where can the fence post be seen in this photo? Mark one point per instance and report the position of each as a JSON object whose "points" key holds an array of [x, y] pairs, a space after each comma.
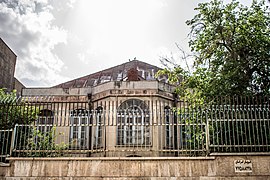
{"points": [[207, 135], [12, 145]]}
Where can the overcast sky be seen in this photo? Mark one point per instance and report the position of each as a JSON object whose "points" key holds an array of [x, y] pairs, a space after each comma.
{"points": [[60, 40]]}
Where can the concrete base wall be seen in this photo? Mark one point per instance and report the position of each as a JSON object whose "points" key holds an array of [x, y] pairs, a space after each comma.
{"points": [[204, 168]]}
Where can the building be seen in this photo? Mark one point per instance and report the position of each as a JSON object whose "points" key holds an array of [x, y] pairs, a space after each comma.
{"points": [[7, 66], [18, 86], [121, 103], [98, 126], [7, 69]]}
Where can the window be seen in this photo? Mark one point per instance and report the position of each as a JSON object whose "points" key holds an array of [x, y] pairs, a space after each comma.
{"points": [[45, 121], [98, 123], [44, 124], [79, 128], [168, 127], [133, 123]]}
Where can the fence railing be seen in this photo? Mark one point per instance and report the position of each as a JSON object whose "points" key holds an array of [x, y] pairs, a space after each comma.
{"points": [[239, 128], [55, 128]]}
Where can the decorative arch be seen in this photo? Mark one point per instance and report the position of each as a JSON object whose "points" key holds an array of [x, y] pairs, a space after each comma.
{"points": [[133, 104], [133, 123]]}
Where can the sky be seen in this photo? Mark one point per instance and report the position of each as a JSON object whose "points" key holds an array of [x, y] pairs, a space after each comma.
{"points": [[60, 40]]}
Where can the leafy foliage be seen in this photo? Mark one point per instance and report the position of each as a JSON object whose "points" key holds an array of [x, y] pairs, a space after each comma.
{"points": [[230, 43], [14, 111], [42, 144]]}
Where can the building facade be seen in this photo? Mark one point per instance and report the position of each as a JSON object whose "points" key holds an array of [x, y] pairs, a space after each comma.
{"points": [[128, 111], [7, 66], [122, 104]]}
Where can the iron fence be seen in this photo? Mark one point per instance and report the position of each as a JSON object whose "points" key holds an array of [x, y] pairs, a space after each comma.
{"points": [[239, 124], [38, 127]]}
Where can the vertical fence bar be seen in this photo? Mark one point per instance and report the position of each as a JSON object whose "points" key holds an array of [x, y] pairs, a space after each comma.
{"points": [[207, 134], [261, 127], [226, 124], [247, 102], [266, 121]]}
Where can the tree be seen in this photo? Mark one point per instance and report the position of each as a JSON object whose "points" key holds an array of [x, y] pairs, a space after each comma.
{"points": [[231, 48], [230, 43], [14, 111]]}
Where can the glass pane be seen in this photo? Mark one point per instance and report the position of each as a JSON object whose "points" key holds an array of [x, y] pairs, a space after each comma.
{"points": [[83, 135], [49, 120], [76, 120], [84, 120], [42, 128]]}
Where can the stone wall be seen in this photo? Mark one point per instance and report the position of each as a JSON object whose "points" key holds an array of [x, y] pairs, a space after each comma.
{"points": [[201, 168], [7, 66]]}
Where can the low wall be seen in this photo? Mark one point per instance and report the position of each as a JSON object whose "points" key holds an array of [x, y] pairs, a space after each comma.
{"points": [[202, 168]]}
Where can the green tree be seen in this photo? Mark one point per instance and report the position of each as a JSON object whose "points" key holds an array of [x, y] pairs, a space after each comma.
{"points": [[230, 43], [15, 111]]}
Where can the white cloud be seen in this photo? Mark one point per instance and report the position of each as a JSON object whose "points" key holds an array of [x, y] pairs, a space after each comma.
{"points": [[50, 36], [116, 28], [71, 3], [26, 25], [81, 57]]}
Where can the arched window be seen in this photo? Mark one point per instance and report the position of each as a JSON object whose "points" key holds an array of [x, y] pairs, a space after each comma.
{"points": [[133, 123], [79, 128]]}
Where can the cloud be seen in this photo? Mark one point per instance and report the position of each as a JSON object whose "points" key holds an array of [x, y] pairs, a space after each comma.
{"points": [[114, 31], [27, 26], [81, 57]]}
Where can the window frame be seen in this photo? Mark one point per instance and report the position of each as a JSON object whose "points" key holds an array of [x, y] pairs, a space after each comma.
{"points": [[44, 123], [80, 127], [98, 129], [133, 123]]}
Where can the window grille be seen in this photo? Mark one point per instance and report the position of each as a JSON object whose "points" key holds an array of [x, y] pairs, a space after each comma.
{"points": [[133, 123], [79, 129]]}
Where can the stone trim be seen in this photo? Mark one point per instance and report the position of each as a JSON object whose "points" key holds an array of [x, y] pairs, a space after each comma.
{"points": [[109, 158]]}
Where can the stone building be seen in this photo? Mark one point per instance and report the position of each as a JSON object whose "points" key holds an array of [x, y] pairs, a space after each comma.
{"points": [[18, 86], [7, 69], [7, 66], [122, 104]]}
